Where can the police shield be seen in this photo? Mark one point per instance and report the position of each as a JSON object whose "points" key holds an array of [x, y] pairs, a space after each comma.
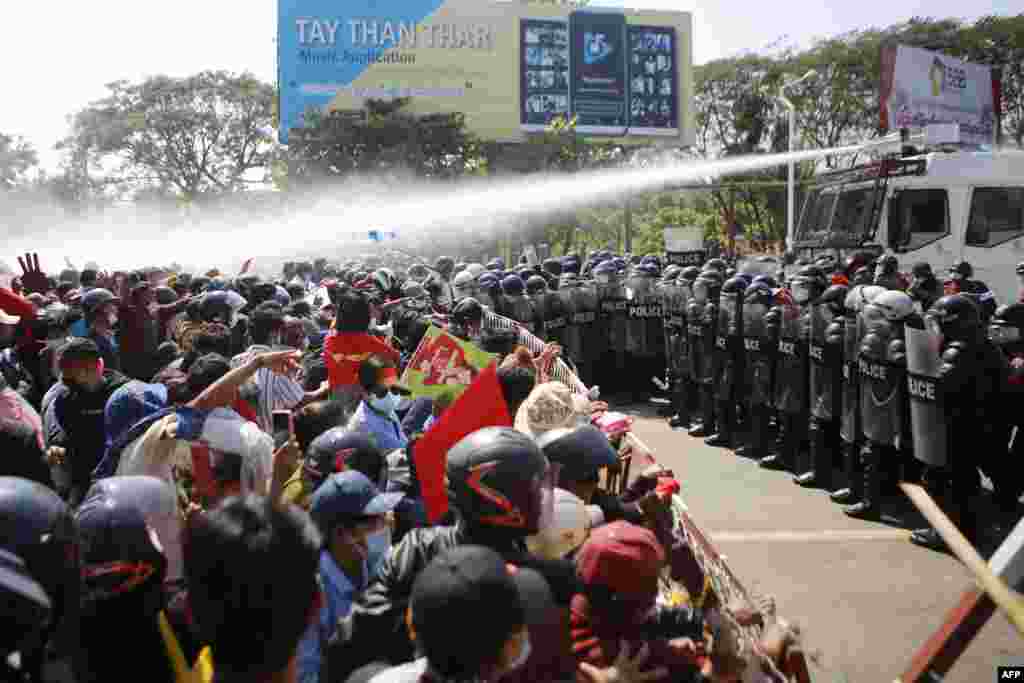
{"points": [[850, 422], [672, 315], [759, 352], [644, 317], [881, 382], [791, 381], [726, 338], [695, 337], [826, 370], [521, 309], [927, 415], [613, 314]]}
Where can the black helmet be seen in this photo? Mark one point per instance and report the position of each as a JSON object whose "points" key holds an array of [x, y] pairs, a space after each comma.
{"points": [[835, 298], [467, 311], [95, 299], [767, 281], [736, 285], [495, 478], [922, 269], [716, 264], [961, 270], [165, 295], [496, 264], [198, 284], [690, 273], [525, 272], [1007, 326], [444, 265], [535, 285], [513, 285], [955, 317], [215, 307], [580, 452], [37, 528], [759, 294], [671, 272], [553, 266]]}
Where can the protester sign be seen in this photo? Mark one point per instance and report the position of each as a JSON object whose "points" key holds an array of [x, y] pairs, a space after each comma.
{"points": [[443, 363], [922, 87], [481, 405]]}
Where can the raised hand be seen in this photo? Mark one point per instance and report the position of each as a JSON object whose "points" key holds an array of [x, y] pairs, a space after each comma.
{"points": [[33, 279]]}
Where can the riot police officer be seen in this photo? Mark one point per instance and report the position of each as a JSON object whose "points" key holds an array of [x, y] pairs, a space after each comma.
{"points": [[826, 354], [467, 320], [702, 316], [760, 348], [583, 342], [464, 286], [645, 334], [729, 374], [686, 394], [516, 305], [792, 370], [961, 282], [550, 310], [489, 294], [673, 312], [614, 321], [967, 388], [1007, 333], [924, 287], [882, 365]]}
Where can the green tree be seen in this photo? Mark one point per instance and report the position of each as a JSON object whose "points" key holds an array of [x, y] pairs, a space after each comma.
{"points": [[17, 158], [197, 137]]}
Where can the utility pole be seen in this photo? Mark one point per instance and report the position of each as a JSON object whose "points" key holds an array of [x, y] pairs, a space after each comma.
{"points": [[628, 226]]}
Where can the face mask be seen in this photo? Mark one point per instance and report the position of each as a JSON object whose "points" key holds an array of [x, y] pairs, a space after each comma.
{"points": [[377, 546], [386, 404], [524, 654]]}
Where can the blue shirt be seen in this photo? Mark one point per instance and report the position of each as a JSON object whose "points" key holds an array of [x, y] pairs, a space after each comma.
{"points": [[386, 430], [339, 594]]}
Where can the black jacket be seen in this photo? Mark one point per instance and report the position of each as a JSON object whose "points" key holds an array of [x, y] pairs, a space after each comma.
{"points": [[73, 420], [375, 629]]}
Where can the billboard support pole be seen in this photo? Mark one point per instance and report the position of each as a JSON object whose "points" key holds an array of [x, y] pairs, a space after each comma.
{"points": [[628, 227]]}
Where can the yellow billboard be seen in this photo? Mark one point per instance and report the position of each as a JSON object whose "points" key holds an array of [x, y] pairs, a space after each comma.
{"points": [[509, 67]]}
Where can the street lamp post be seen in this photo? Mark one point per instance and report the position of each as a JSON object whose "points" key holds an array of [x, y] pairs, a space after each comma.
{"points": [[791, 166]]}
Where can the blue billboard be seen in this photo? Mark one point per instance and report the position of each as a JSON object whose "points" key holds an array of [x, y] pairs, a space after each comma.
{"points": [[599, 72]]}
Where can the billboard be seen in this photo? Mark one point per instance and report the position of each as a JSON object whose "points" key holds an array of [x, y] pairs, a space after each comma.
{"points": [[922, 87], [510, 67]]}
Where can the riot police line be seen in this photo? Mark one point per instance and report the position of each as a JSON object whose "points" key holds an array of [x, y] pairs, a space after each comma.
{"points": [[850, 385]]}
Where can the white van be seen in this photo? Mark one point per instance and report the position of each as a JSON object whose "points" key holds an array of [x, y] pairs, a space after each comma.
{"points": [[940, 207]]}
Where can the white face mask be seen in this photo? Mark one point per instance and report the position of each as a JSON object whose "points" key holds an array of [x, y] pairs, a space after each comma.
{"points": [[386, 404]]}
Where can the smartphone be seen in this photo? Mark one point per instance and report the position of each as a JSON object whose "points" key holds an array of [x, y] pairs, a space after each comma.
{"points": [[281, 421]]}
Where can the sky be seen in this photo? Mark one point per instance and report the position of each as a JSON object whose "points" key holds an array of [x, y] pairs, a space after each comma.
{"points": [[59, 55]]}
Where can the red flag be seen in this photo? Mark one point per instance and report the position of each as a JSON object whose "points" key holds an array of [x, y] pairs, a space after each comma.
{"points": [[481, 405]]}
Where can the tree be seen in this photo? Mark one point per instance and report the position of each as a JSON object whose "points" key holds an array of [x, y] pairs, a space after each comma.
{"points": [[384, 137], [17, 157], [205, 135]]}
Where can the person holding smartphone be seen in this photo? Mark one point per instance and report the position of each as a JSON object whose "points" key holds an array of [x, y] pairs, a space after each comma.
{"points": [[376, 415]]}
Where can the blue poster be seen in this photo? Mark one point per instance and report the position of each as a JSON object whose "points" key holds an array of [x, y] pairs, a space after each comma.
{"points": [[599, 69], [323, 46]]}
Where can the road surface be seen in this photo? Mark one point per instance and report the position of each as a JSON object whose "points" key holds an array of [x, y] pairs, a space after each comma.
{"points": [[865, 596]]}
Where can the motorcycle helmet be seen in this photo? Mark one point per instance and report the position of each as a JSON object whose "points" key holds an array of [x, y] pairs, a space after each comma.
{"points": [[498, 477], [535, 284], [580, 453], [512, 285]]}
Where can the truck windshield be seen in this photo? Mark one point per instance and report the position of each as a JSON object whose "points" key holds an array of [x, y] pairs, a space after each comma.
{"points": [[837, 213]]}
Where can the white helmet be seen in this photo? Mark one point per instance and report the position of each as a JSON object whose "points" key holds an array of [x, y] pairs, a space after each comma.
{"points": [[569, 528], [895, 305], [463, 279], [861, 295], [475, 269]]}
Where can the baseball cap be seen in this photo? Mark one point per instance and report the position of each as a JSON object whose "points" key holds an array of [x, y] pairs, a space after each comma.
{"points": [[347, 496], [623, 558], [79, 349], [338, 449], [453, 588]]}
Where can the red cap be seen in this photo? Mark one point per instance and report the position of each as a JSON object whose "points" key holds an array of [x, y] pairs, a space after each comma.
{"points": [[623, 557]]}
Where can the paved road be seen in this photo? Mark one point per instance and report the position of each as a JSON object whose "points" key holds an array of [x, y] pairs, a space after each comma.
{"points": [[864, 595]]}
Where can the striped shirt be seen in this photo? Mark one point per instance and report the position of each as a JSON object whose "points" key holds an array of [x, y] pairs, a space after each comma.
{"points": [[275, 392]]}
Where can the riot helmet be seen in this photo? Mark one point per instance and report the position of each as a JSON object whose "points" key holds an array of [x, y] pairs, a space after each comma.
{"points": [[1007, 326], [834, 298], [961, 270], [735, 285], [706, 288], [605, 273], [895, 306], [671, 273], [568, 280], [444, 265], [475, 269], [955, 317], [467, 312], [513, 285], [766, 280], [464, 285], [553, 266], [499, 478], [535, 284], [690, 273], [496, 264], [716, 264]]}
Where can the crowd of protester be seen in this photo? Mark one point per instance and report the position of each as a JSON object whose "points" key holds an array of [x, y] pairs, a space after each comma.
{"points": [[213, 478]]}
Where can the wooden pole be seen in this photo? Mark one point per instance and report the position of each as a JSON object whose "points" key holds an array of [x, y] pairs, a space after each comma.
{"points": [[992, 584]]}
